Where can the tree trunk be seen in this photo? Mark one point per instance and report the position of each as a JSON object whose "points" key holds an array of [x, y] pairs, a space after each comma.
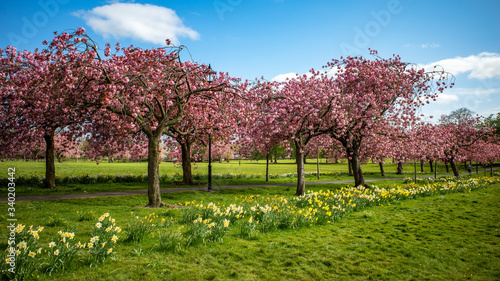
{"points": [[301, 177], [187, 176], [359, 179], [50, 168], [435, 169], [267, 167], [154, 195], [400, 168], [317, 165], [349, 163], [447, 167], [422, 166], [432, 168], [454, 168], [381, 169]]}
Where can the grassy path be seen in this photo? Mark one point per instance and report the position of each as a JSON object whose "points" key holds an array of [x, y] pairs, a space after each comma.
{"points": [[449, 237]]}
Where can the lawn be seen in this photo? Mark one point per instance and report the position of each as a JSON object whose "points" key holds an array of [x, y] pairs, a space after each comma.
{"points": [[69, 168], [444, 237], [232, 173]]}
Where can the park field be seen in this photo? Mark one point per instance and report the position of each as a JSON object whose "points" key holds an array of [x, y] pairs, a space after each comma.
{"points": [[70, 168], [453, 236], [88, 176]]}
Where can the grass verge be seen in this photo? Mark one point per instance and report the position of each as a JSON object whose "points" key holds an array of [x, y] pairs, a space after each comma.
{"points": [[446, 237]]}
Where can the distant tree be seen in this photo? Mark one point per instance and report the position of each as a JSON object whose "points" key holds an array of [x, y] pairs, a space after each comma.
{"points": [[493, 121], [457, 116], [460, 138]]}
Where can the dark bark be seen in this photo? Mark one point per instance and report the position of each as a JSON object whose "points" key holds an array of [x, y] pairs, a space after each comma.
{"points": [[154, 195], [359, 179], [50, 168], [349, 164], [432, 166], [267, 167], [400, 168], [317, 166], [301, 177], [381, 169], [422, 166], [187, 176], [447, 167], [454, 168]]}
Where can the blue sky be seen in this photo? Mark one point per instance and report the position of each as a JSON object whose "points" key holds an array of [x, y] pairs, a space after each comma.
{"points": [[276, 38]]}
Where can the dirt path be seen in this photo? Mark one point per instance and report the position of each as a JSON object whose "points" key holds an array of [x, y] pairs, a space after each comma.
{"points": [[171, 190]]}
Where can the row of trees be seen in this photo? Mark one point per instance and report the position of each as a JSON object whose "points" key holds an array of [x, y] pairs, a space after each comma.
{"points": [[129, 99]]}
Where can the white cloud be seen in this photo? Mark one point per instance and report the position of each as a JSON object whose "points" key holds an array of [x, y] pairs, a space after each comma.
{"points": [[446, 98], [331, 72], [423, 46], [483, 66], [433, 45], [149, 23], [477, 92], [284, 77]]}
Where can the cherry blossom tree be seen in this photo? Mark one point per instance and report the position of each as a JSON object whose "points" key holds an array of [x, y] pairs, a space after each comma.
{"points": [[375, 96], [377, 148], [149, 90], [43, 91], [460, 136], [260, 136], [213, 115], [67, 146], [294, 110]]}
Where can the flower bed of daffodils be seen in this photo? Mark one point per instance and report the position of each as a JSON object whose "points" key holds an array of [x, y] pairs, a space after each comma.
{"points": [[206, 223]]}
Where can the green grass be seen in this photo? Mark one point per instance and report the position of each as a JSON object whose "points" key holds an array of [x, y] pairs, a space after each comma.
{"points": [[69, 168], [449, 237], [248, 173]]}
